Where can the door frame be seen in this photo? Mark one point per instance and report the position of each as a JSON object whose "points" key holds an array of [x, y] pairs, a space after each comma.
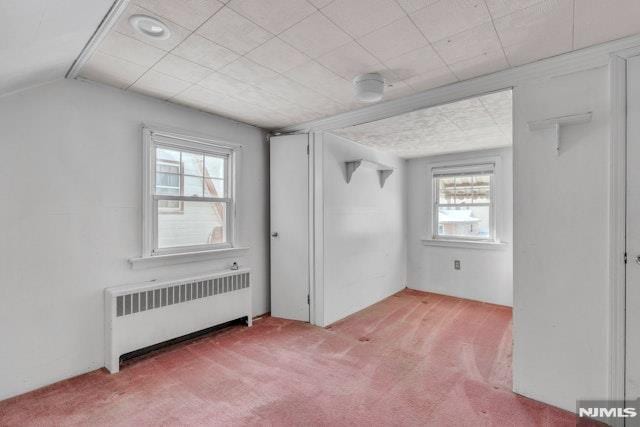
{"points": [[617, 222]]}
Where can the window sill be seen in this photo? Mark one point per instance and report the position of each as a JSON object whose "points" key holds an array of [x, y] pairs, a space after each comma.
{"points": [[170, 259], [464, 244]]}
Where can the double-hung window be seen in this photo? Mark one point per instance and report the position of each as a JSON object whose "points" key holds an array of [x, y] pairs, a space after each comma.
{"points": [[464, 202], [189, 193]]}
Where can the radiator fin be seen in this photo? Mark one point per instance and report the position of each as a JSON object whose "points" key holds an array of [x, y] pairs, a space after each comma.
{"points": [[178, 293]]}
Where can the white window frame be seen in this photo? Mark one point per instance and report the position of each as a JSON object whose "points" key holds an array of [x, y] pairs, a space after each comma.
{"points": [[477, 168], [154, 137]]}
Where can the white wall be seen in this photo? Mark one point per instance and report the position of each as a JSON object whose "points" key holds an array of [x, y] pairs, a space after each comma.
{"points": [[485, 274], [561, 243], [71, 215], [364, 230]]}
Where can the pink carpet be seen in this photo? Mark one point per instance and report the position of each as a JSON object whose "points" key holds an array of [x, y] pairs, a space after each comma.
{"points": [[412, 359]]}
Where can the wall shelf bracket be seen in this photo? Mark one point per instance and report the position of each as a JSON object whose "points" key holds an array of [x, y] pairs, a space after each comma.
{"points": [[556, 123], [384, 171]]}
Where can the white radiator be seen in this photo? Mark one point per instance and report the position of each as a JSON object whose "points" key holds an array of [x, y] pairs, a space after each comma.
{"points": [[140, 315]]}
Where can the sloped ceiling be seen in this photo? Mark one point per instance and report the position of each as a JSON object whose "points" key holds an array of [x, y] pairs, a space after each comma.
{"points": [[471, 124], [275, 63], [40, 39]]}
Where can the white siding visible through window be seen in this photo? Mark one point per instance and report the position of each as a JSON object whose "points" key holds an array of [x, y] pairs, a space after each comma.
{"points": [[464, 203]]}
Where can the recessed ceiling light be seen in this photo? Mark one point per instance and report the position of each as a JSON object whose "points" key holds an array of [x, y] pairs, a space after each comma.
{"points": [[150, 27]]}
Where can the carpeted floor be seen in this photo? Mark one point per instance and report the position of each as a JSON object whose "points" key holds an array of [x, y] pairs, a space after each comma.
{"points": [[412, 359]]}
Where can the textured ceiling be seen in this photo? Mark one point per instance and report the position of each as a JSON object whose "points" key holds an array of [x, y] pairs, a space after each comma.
{"points": [[274, 63], [40, 39], [472, 124]]}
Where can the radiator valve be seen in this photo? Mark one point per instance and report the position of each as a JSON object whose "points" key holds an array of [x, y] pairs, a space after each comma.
{"points": [[234, 266]]}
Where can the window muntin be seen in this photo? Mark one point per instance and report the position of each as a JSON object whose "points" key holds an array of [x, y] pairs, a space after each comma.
{"points": [[464, 203], [191, 197]]}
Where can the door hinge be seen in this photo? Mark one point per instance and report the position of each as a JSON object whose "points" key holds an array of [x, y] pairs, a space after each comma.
{"points": [[308, 299], [307, 149], [625, 257]]}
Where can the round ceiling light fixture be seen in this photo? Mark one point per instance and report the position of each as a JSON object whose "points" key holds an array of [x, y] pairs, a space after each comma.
{"points": [[150, 27], [369, 87]]}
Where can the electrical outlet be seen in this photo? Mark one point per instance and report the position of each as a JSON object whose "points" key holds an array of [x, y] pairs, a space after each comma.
{"points": [[456, 264]]}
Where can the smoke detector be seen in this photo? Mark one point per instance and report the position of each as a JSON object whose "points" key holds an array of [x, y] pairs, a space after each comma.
{"points": [[368, 87], [150, 27]]}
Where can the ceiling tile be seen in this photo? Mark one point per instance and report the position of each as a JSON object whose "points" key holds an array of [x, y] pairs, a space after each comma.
{"points": [[288, 89], [301, 95], [500, 8], [446, 18], [414, 63], [393, 40], [468, 44], [539, 31], [350, 60], [486, 63], [499, 106], [431, 79], [196, 97], [248, 71], [277, 55], [273, 15], [411, 6], [182, 69], [460, 126], [178, 33], [233, 31], [360, 17], [468, 115], [315, 35], [598, 21], [320, 79], [111, 70], [397, 90], [525, 53], [159, 85], [189, 14], [224, 84], [132, 50], [320, 3], [205, 52], [536, 22]]}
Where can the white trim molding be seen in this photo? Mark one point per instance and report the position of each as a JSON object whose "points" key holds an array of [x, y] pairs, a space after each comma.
{"points": [[464, 244], [183, 258], [617, 224], [107, 23]]}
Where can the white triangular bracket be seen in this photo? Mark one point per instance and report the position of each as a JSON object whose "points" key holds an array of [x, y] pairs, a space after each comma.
{"points": [[555, 123], [383, 170]]}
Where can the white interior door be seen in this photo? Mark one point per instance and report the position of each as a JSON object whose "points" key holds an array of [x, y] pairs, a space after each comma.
{"points": [[633, 231], [290, 227]]}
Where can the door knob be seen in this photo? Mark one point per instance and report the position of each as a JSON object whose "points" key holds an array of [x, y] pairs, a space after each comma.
{"points": [[638, 259], [274, 234]]}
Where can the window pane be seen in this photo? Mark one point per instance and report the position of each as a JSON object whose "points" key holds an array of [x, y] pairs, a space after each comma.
{"points": [[168, 166], [168, 184], [192, 163], [446, 186], [192, 186], [214, 167], [472, 221], [170, 205], [198, 223], [214, 187], [168, 155], [482, 188]]}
